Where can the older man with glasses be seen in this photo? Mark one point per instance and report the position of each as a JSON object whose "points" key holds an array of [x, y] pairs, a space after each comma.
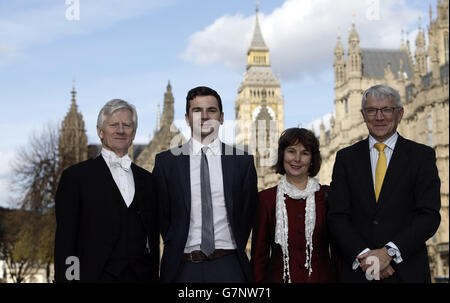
{"points": [[384, 198]]}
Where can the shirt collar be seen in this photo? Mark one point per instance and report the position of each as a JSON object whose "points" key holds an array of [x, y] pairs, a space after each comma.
{"points": [[196, 146], [109, 154], [390, 142]]}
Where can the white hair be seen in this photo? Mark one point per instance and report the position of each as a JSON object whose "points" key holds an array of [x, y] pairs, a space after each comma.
{"points": [[380, 92], [113, 105]]}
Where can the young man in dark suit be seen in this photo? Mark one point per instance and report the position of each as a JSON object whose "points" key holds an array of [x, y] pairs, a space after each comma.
{"points": [[208, 193], [384, 198], [106, 210]]}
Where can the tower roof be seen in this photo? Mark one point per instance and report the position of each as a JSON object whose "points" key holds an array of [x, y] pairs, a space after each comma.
{"points": [[168, 109], [375, 60], [420, 39], [339, 49], [257, 40], [353, 33], [73, 106]]}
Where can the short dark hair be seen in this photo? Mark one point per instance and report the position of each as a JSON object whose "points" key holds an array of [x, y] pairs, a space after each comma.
{"points": [[293, 136], [202, 91]]}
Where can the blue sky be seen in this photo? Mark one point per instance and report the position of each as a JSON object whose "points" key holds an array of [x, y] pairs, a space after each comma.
{"points": [[131, 49]]}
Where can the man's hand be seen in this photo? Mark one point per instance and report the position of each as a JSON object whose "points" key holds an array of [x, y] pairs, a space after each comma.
{"points": [[382, 256], [387, 272]]}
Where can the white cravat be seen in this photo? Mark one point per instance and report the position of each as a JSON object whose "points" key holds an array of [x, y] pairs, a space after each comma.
{"points": [[121, 173], [223, 237]]}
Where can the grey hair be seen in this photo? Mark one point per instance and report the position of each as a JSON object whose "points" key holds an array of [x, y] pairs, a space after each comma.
{"points": [[113, 105], [380, 92]]}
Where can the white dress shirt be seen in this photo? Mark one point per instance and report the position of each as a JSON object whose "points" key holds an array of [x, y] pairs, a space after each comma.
{"points": [[374, 155], [223, 237], [124, 179]]}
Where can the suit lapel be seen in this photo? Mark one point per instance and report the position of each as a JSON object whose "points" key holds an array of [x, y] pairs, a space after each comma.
{"points": [[227, 175], [397, 165], [364, 172], [138, 184], [105, 174], [184, 174]]}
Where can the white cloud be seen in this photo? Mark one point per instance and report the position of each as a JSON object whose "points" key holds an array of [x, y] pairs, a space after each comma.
{"points": [[302, 34], [315, 124], [221, 41]]}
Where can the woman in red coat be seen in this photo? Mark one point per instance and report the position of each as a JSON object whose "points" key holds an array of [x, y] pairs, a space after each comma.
{"points": [[290, 240]]}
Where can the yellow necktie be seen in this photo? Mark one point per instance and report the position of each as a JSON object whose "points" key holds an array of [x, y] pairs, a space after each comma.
{"points": [[381, 168]]}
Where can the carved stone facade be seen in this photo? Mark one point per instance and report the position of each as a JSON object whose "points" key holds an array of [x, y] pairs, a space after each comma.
{"points": [[166, 135], [259, 109], [73, 147], [424, 91]]}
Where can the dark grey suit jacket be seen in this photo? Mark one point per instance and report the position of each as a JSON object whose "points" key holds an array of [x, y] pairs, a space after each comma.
{"points": [[172, 175]]}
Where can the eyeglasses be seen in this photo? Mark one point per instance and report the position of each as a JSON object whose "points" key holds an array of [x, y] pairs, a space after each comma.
{"points": [[372, 111]]}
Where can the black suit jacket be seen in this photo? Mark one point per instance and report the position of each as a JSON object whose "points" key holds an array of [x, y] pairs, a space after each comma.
{"points": [[407, 212], [88, 218], [172, 175]]}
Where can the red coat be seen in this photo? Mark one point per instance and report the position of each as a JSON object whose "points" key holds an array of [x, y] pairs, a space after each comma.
{"points": [[267, 257]]}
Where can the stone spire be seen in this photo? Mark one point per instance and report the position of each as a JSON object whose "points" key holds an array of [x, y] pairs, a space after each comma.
{"points": [[339, 62], [408, 50], [258, 40], [420, 39], [353, 37], [339, 49], [73, 140], [421, 52], [166, 137], [322, 139], [430, 13], [354, 66], [167, 115], [258, 52], [402, 39]]}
